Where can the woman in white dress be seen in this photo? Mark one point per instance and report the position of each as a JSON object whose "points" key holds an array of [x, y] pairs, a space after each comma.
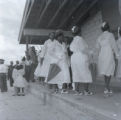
{"points": [[118, 75], [61, 60], [80, 62], [106, 45], [47, 55]]}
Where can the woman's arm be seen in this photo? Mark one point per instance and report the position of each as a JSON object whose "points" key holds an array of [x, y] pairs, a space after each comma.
{"points": [[114, 45], [43, 52]]}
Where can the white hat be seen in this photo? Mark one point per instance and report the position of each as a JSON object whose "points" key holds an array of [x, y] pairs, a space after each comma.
{"points": [[75, 29], [104, 23]]}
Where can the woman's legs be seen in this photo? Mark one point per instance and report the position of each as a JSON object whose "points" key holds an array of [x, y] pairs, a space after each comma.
{"points": [[107, 82], [42, 79], [74, 86], [86, 89], [16, 91], [22, 91], [60, 86], [55, 87]]}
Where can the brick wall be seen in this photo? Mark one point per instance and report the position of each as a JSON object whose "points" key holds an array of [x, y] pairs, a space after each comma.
{"points": [[91, 29]]}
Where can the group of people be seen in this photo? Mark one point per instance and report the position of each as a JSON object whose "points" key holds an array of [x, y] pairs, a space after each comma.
{"points": [[56, 67], [54, 63], [18, 75]]}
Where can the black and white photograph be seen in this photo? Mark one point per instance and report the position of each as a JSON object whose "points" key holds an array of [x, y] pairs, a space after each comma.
{"points": [[60, 59]]}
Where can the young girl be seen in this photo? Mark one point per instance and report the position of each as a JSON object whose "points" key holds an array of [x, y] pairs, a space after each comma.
{"points": [[79, 61], [19, 80]]}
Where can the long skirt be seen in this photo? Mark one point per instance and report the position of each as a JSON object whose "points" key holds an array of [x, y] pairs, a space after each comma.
{"points": [[106, 62], [80, 68], [45, 67], [20, 82], [63, 76], [37, 72], [3, 82]]}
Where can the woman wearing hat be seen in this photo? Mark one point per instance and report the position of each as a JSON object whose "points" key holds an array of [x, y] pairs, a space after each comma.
{"points": [[61, 60], [118, 74], [106, 49], [79, 61]]}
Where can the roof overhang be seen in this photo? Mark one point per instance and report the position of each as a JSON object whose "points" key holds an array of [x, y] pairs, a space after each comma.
{"points": [[44, 16]]}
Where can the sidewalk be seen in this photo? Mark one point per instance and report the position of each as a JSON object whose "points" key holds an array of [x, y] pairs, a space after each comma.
{"points": [[97, 106]]}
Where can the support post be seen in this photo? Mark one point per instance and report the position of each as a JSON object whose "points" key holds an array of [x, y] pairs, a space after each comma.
{"points": [[27, 46]]}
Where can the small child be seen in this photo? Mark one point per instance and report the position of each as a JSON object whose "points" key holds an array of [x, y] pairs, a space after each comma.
{"points": [[19, 80]]}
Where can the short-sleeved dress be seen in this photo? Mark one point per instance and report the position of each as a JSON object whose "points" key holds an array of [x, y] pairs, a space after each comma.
{"points": [[19, 80], [79, 61], [107, 47]]}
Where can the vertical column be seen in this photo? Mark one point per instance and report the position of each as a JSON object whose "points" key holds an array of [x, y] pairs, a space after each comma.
{"points": [[27, 45]]}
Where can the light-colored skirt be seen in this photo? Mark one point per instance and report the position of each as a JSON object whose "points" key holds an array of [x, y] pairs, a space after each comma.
{"points": [[80, 68], [20, 82], [63, 76], [38, 70]]}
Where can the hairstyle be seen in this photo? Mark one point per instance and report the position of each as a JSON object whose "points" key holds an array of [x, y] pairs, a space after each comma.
{"points": [[75, 30], [1, 61], [59, 33], [105, 27], [51, 33], [17, 62], [19, 67]]}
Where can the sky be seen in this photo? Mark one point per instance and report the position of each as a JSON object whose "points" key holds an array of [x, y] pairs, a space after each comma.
{"points": [[11, 12]]}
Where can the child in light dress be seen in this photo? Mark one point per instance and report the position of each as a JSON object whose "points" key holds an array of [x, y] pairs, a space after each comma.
{"points": [[19, 80]]}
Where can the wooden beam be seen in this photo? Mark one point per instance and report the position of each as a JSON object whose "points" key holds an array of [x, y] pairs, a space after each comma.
{"points": [[25, 17], [27, 45], [43, 32], [43, 12], [70, 13], [32, 4], [86, 10], [57, 12], [120, 6]]}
